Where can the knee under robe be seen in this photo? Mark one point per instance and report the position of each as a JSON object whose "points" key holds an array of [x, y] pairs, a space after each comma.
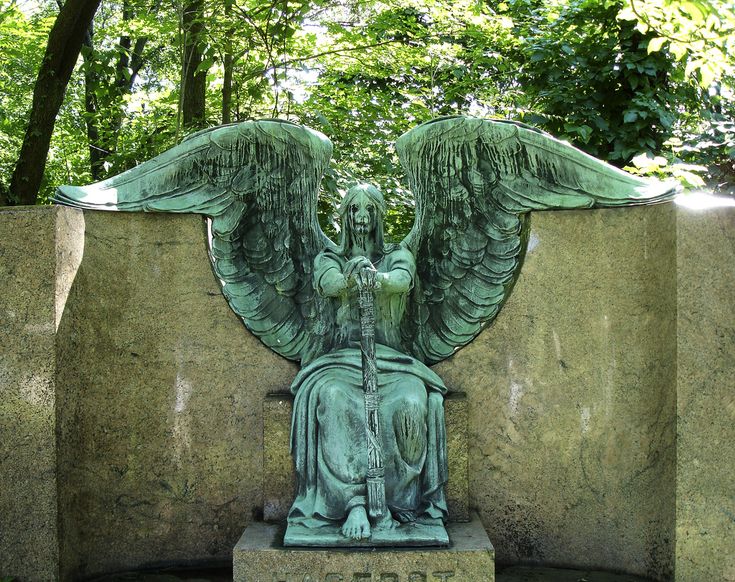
{"points": [[328, 437]]}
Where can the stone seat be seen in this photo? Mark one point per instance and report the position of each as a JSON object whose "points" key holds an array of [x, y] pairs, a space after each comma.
{"points": [[279, 481]]}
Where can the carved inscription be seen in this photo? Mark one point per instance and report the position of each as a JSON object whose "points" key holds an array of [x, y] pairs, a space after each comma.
{"points": [[364, 577]]}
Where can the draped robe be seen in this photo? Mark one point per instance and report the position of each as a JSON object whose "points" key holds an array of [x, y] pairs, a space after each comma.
{"points": [[328, 433]]}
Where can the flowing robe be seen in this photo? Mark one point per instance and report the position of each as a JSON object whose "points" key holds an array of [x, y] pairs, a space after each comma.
{"points": [[328, 433]]}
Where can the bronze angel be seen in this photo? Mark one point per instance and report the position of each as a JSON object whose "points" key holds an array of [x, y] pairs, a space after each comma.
{"points": [[474, 181]]}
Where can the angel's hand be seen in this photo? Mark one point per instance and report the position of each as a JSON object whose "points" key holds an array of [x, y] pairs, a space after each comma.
{"points": [[354, 266], [367, 278]]}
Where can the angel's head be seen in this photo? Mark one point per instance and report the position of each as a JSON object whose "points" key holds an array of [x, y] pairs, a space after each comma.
{"points": [[362, 211]]}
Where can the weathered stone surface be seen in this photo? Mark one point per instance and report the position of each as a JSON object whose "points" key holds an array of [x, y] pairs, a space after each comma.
{"points": [[530, 574], [457, 489], [161, 441], [571, 414], [705, 477], [279, 478], [38, 258], [572, 397], [259, 557]]}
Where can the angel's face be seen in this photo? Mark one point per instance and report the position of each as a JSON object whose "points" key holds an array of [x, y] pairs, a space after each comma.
{"points": [[363, 215]]}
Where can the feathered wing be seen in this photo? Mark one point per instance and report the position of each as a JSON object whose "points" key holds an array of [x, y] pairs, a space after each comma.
{"points": [[258, 183], [474, 181]]}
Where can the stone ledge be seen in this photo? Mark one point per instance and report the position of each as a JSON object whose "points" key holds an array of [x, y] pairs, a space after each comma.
{"points": [[259, 556]]}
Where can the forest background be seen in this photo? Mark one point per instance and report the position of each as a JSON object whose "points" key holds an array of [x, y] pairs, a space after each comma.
{"points": [[89, 88]]}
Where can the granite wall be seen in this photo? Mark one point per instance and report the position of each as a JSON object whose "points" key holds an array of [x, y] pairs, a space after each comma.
{"points": [[160, 442], [705, 476], [39, 252], [572, 396], [135, 405]]}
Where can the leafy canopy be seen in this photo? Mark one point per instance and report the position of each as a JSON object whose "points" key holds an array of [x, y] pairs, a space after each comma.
{"points": [[648, 85]]}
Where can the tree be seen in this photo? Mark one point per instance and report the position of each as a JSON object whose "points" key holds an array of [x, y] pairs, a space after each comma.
{"points": [[193, 73], [623, 79], [22, 41], [590, 78], [64, 44], [110, 72]]}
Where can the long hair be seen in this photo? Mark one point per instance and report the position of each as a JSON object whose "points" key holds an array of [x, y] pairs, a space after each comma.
{"points": [[376, 197]]}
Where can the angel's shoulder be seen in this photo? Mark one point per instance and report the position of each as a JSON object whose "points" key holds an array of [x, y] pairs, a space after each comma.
{"points": [[329, 257], [397, 255]]}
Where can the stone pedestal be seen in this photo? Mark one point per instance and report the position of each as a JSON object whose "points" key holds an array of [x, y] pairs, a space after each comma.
{"points": [[259, 556]]}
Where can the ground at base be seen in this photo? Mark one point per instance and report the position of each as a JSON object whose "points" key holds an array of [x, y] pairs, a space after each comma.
{"points": [[538, 574], [509, 574]]}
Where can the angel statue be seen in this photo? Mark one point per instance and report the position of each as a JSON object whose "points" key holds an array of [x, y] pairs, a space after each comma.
{"points": [[366, 317]]}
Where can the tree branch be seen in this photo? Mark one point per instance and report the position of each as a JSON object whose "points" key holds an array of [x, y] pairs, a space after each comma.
{"points": [[287, 62]]}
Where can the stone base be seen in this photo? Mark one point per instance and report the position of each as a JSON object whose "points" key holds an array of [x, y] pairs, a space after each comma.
{"points": [[406, 534], [259, 556]]}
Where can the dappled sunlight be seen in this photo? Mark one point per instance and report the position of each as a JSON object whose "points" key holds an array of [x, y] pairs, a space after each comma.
{"points": [[703, 200], [181, 428], [70, 242]]}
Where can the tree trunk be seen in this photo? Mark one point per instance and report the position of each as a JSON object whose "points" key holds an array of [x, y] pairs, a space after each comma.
{"points": [[228, 64], [91, 83], [104, 98], [64, 43], [193, 80]]}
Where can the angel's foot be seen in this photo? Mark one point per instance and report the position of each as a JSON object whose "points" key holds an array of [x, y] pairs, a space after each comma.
{"points": [[357, 525], [406, 516], [386, 522]]}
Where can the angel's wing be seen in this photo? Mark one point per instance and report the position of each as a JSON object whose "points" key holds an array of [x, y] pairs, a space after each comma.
{"points": [[474, 181], [258, 183]]}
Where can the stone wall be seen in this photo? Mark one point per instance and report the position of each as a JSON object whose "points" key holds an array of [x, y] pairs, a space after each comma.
{"points": [[39, 252], [705, 476], [135, 405], [572, 396], [160, 456]]}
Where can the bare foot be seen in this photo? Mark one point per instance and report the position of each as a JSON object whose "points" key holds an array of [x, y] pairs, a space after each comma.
{"points": [[357, 525], [386, 522], [406, 516]]}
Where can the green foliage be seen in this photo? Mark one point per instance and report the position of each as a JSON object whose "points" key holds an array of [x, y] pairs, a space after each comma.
{"points": [[622, 79], [592, 80], [415, 62], [697, 32], [22, 43]]}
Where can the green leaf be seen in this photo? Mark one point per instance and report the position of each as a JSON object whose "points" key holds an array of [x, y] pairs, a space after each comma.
{"points": [[689, 178], [655, 44]]}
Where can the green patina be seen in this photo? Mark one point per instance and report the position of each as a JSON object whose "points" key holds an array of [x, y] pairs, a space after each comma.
{"points": [[475, 182]]}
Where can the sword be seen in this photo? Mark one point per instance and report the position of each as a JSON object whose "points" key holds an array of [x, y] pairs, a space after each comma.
{"points": [[375, 479]]}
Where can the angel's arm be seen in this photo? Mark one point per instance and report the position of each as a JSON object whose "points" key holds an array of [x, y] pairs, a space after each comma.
{"points": [[395, 281], [328, 278], [399, 277]]}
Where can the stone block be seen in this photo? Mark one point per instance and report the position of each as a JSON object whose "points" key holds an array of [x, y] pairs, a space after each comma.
{"points": [[457, 488], [572, 415], [40, 250], [705, 487], [260, 557], [161, 394], [279, 481]]}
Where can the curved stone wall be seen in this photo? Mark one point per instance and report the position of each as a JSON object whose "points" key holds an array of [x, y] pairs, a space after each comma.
{"points": [[157, 391], [573, 397]]}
